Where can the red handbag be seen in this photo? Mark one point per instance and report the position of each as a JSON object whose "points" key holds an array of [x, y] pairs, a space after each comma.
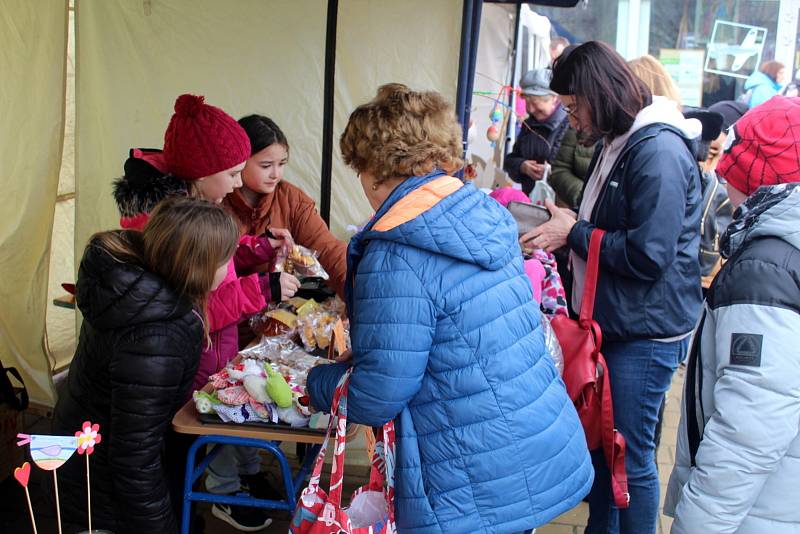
{"points": [[586, 377], [371, 509]]}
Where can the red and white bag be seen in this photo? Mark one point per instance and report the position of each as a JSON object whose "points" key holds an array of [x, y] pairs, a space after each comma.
{"points": [[371, 509]]}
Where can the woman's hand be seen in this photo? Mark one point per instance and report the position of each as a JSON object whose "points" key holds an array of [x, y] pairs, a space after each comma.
{"points": [[346, 356], [532, 169], [289, 286], [553, 234]]}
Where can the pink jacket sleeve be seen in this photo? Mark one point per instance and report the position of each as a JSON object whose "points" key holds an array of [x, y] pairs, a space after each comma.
{"points": [[235, 299], [253, 251]]}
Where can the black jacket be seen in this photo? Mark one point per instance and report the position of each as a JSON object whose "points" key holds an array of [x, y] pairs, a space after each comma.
{"points": [[649, 283], [138, 352], [537, 141]]}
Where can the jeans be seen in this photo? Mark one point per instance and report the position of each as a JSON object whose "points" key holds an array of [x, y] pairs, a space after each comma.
{"points": [[223, 472], [640, 373]]}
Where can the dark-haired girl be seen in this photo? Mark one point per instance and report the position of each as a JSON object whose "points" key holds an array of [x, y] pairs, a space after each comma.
{"points": [[266, 200], [644, 191]]}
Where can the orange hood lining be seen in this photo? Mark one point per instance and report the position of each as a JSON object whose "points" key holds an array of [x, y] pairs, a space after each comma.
{"points": [[418, 202]]}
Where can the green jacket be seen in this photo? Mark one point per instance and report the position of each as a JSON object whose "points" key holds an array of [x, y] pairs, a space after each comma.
{"points": [[568, 175]]}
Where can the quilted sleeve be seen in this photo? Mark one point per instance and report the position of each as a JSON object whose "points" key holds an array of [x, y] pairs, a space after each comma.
{"points": [[146, 374], [235, 299], [252, 252], [567, 185], [392, 325]]}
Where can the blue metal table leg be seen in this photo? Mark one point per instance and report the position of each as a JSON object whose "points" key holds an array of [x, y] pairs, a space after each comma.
{"points": [[193, 473]]}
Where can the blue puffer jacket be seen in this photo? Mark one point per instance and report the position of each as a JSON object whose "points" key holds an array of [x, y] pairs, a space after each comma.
{"points": [[447, 342]]}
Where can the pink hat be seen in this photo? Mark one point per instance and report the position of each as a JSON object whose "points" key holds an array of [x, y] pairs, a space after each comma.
{"points": [[504, 195]]}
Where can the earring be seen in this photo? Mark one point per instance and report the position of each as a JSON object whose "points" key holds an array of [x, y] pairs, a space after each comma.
{"points": [[374, 187]]}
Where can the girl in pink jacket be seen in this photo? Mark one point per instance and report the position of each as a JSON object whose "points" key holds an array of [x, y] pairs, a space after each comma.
{"points": [[204, 153]]}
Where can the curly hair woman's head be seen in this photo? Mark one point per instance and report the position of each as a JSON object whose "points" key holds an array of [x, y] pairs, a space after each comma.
{"points": [[402, 133]]}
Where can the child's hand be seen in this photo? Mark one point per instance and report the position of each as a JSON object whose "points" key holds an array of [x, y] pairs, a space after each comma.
{"points": [[289, 286], [280, 238]]}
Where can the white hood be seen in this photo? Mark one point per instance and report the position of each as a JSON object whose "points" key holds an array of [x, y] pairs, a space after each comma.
{"points": [[664, 110]]}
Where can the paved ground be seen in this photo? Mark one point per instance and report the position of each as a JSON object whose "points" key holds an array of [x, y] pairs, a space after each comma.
{"points": [[572, 522]]}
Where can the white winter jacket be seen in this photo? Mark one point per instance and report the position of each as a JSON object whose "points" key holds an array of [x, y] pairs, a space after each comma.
{"points": [[737, 466]]}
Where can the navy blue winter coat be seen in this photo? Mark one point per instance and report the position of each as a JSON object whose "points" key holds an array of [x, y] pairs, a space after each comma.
{"points": [[447, 342], [649, 282]]}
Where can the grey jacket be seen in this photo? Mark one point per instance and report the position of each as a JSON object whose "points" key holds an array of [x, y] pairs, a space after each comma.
{"points": [[738, 454]]}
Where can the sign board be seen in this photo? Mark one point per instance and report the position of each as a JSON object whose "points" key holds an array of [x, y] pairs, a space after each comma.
{"points": [[735, 49], [686, 68]]}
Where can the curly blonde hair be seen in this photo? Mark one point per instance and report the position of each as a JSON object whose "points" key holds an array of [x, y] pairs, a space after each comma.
{"points": [[402, 133]]}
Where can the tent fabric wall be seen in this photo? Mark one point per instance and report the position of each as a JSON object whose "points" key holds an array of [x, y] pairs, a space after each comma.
{"points": [[33, 40], [135, 58], [415, 42], [249, 56], [492, 72]]}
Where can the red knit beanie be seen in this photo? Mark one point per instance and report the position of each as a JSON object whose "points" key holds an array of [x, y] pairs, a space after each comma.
{"points": [[202, 140], [762, 147]]}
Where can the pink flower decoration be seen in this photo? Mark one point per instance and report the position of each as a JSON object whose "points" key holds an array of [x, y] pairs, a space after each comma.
{"points": [[88, 438]]}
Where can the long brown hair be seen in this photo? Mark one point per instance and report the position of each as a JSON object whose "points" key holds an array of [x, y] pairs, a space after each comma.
{"points": [[184, 242], [598, 76]]}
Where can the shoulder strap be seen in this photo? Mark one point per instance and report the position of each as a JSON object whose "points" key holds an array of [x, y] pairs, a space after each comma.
{"points": [[613, 441], [694, 384], [590, 281], [17, 398]]}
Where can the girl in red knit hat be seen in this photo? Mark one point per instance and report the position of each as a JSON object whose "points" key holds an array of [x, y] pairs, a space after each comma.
{"points": [[204, 153]]}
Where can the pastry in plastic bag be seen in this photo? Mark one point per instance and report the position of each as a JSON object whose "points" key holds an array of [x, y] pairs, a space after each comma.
{"points": [[276, 322], [302, 262]]}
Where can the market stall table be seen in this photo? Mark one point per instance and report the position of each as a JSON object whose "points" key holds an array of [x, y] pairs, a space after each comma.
{"points": [[187, 421]]}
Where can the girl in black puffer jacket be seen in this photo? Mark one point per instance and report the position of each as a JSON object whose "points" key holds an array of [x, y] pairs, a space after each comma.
{"points": [[142, 295]]}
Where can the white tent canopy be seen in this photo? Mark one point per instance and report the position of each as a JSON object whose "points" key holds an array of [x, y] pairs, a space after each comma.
{"points": [[133, 57]]}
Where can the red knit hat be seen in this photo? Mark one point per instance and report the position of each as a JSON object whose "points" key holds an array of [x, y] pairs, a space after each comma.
{"points": [[202, 140], [762, 146]]}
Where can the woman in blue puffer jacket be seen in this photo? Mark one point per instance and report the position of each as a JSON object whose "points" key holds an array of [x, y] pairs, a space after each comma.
{"points": [[446, 337]]}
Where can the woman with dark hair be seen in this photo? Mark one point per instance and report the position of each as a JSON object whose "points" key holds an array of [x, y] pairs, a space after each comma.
{"points": [[644, 191], [765, 83]]}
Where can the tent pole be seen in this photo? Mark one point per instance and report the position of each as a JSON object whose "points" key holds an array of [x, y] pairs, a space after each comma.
{"points": [[327, 111], [470, 31], [512, 81], [477, 10], [463, 68]]}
